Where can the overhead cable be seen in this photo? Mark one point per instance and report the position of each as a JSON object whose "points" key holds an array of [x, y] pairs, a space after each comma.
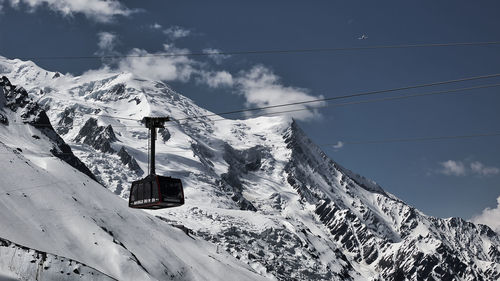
{"points": [[197, 118], [418, 139], [275, 51]]}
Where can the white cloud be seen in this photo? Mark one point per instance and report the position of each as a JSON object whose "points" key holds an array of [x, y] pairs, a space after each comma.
{"points": [[157, 67], [216, 55], [338, 145], [176, 32], [98, 10], [459, 168], [261, 87], [490, 217], [215, 79], [160, 66], [155, 26], [106, 42], [482, 170], [453, 168]]}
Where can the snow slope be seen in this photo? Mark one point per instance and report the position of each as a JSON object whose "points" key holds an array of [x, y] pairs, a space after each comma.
{"points": [[19, 262], [48, 206], [258, 189]]}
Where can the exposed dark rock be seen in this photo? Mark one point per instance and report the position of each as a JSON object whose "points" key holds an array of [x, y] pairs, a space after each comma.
{"points": [[264, 245], [32, 114], [98, 137], [241, 162], [244, 160], [2, 94], [15, 97], [117, 89], [136, 99], [367, 235], [32, 264], [164, 133], [61, 150], [130, 161], [203, 152], [65, 123], [3, 119]]}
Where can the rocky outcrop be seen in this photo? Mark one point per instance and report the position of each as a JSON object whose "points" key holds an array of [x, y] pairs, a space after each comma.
{"points": [[241, 162], [130, 161], [23, 263], [98, 137], [17, 100], [164, 133], [3, 119], [303, 216], [398, 241], [14, 97], [65, 123]]}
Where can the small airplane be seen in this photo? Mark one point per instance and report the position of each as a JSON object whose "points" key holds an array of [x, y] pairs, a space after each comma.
{"points": [[363, 37]]}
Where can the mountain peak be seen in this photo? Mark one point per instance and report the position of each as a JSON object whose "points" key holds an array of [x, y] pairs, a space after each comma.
{"points": [[257, 189]]}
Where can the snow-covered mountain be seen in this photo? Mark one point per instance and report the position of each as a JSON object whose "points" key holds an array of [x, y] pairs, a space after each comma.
{"points": [[58, 223], [258, 190]]}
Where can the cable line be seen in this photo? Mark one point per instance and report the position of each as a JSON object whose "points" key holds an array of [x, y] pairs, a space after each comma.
{"points": [[348, 96], [379, 99], [381, 141], [419, 139], [276, 51], [319, 100], [196, 119]]}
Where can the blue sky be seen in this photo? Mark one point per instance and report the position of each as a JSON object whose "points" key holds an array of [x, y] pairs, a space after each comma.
{"points": [[442, 178]]}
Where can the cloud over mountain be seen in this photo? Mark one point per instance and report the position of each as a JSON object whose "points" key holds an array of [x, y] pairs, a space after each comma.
{"points": [[98, 10], [262, 87], [490, 217]]}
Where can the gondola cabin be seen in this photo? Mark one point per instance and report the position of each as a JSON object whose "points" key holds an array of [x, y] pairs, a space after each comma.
{"points": [[153, 191], [156, 192]]}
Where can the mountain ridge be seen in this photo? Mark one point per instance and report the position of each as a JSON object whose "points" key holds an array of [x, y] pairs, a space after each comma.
{"points": [[260, 189]]}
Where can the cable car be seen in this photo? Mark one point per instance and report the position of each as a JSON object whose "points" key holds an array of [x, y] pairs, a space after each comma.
{"points": [[154, 191]]}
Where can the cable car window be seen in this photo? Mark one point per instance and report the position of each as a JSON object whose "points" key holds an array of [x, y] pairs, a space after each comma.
{"points": [[147, 192], [155, 191], [170, 189], [133, 193], [140, 192], [163, 186], [177, 190]]}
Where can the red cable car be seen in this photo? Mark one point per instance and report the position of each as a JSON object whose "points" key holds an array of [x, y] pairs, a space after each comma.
{"points": [[153, 191]]}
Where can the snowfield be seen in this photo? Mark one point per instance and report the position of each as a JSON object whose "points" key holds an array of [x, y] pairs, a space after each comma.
{"points": [[262, 200]]}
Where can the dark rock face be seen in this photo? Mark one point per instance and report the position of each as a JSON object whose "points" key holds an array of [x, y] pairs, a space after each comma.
{"points": [[276, 250], [385, 235], [241, 162], [98, 137], [32, 114], [15, 97], [3, 119], [203, 152], [65, 124], [136, 99], [118, 89], [45, 266], [164, 133], [130, 161]]}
